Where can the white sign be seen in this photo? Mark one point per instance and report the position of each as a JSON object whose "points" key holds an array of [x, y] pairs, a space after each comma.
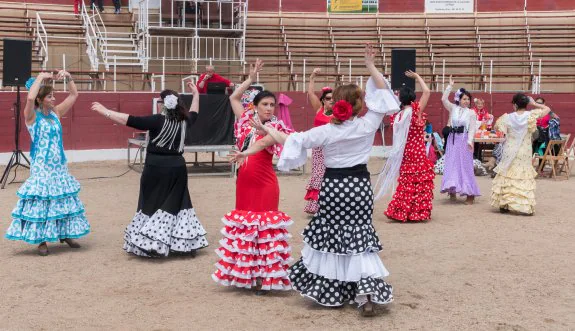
{"points": [[448, 6]]}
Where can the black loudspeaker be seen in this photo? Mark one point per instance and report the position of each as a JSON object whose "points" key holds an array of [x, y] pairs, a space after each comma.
{"points": [[401, 61], [17, 63]]}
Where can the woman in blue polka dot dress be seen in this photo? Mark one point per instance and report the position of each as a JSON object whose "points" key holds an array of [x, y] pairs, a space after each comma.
{"points": [[49, 209]]}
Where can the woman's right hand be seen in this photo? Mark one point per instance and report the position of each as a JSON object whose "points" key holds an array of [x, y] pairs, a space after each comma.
{"points": [[236, 157], [369, 54], [45, 75], [99, 108], [451, 82], [256, 68], [411, 74], [315, 72]]}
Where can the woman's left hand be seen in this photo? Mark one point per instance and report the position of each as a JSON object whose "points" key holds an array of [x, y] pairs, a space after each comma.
{"points": [[63, 74], [193, 87], [369, 54], [257, 123]]}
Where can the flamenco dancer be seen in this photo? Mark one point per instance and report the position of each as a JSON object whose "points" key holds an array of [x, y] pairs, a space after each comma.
{"points": [[323, 116], [49, 209], [408, 163], [254, 252], [513, 187], [165, 221], [340, 262], [458, 174]]}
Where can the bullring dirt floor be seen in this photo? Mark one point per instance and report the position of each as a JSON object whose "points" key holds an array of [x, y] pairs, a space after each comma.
{"points": [[469, 268]]}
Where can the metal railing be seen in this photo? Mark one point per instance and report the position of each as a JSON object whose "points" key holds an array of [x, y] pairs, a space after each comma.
{"points": [[200, 48], [91, 39], [102, 35], [172, 75], [42, 39], [191, 78], [229, 15]]}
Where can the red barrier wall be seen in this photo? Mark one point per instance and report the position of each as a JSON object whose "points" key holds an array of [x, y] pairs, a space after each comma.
{"points": [[84, 129], [264, 5], [401, 6]]}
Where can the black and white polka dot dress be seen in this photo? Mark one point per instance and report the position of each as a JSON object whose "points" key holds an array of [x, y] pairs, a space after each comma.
{"points": [[165, 221], [340, 261]]}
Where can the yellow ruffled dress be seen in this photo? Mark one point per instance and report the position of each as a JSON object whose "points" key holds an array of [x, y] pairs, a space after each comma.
{"points": [[514, 189]]}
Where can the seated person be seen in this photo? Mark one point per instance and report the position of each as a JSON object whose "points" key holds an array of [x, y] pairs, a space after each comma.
{"points": [[429, 147], [210, 76], [484, 122], [554, 133], [484, 118], [542, 136]]}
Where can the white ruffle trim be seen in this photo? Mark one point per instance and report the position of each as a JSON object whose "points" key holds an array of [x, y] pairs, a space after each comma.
{"points": [[254, 274], [161, 233], [293, 154], [280, 248], [381, 101], [252, 284], [252, 236], [255, 262], [345, 268]]}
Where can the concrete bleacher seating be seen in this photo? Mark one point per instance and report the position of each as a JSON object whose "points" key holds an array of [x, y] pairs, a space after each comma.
{"points": [[513, 42], [469, 45]]}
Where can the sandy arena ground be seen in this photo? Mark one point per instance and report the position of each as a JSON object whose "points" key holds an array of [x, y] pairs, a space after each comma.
{"points": [[469, 268]]}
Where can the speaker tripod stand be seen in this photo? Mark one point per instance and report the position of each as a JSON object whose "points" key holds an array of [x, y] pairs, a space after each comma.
{"points": [[18, 157]]}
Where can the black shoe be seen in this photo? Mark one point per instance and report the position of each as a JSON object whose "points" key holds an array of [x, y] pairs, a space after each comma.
{"points": [[71, 242], [43, 249]]}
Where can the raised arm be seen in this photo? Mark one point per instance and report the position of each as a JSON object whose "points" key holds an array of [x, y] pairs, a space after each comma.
{"points": [[29, 114], [258, 146], [313, 99], [424, 89], [195, 106], [370, 64], [236, 97], [67, 104], [115, 116], [445, 97], [278, 137], [544, 109], [379, 98]]}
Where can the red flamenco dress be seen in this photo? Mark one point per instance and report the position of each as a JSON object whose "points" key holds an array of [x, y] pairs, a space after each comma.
{"points": [[317, 168], [255, 244], [412, 200]]}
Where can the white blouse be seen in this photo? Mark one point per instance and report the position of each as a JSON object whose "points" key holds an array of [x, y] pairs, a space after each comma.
{"points": [[459, 116], [347, 144]]}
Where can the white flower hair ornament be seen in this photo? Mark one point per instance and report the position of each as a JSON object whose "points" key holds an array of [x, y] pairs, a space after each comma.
{"points": [[458, 94], [171, 101]]}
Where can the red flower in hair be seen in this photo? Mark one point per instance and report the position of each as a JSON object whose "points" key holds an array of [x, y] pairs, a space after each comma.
{"points": [[342, 110], [326, 89]]}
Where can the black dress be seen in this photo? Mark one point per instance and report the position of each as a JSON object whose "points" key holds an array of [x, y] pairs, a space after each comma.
{"points": [[165, 220]]}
